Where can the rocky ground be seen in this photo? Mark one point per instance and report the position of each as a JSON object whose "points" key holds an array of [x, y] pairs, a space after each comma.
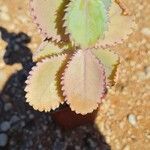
{"points": [[123, 121]]}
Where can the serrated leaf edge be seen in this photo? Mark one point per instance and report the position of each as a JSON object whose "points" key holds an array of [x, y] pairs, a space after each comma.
{"points": [[116, 72], [124, 38], [43, 45], [101, 94], [39, 26], [68, 8], [28, 82]]}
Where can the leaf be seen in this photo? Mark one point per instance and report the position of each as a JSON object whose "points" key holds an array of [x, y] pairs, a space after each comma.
{"points": [[41, 84], [119, 28], [85, 20], [108, 59], [44, 15], [47, 49], [84, 82]]}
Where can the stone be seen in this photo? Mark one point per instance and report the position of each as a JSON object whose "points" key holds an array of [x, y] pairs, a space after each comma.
{"points": [[3, 139], [5, 16], [4, 8], [31, 116], [132, 120], [127, 147], [146, 31], [14, 119], [7, 107], [5, 126]]}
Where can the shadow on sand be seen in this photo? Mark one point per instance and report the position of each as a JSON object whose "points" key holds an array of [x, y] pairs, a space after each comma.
{"points": [[31, 129]]}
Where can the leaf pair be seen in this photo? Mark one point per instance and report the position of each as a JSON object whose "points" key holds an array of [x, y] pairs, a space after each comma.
{"points": [[83, 81], [90, 23]]}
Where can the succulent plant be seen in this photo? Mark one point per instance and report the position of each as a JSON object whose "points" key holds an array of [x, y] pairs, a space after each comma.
{"points": [[73, 64]]}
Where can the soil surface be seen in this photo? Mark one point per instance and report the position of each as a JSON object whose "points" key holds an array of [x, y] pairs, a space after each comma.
{"points": [[123, 120]]}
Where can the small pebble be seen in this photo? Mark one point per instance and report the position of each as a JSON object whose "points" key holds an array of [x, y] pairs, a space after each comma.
{"points": [[3, 76], [31, 116], [40, 147], [3, 139], [132, 120], [5, 126], [14, 119], [146, 31], [4, 16], [77, 147], [92, 143], [2, 65], [7, 107], [127, 147], [147, 71], [58, 145], [121, 125], [4, 8], [23, 19], [22, 124]]}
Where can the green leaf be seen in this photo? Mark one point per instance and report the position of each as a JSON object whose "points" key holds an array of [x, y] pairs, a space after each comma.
{"points": [[85, 20]]}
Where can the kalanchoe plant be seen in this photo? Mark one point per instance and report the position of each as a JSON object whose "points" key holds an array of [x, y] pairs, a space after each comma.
{"points": [[72, 65]]}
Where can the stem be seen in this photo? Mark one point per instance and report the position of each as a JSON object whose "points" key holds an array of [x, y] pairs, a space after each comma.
{"points": [[125, 9]]}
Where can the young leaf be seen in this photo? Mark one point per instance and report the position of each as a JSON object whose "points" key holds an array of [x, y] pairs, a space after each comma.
{"points": [[85, 20], [44, 14], [107, 58], [47, 49], [110, 61], [41, 84], [119, 28], [84, 82]]}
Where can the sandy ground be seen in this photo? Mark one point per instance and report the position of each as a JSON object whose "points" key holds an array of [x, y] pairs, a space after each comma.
{"points": [[123, 119]]}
